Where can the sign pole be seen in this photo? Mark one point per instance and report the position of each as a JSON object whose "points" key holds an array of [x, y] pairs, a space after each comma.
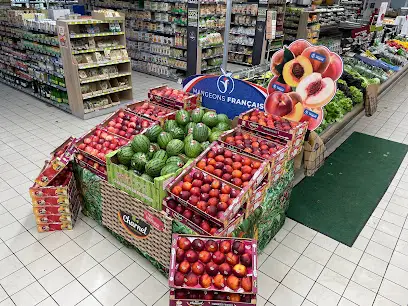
{"points": [[226, 34]]}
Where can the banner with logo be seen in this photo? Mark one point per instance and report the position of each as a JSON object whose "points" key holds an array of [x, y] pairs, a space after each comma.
{"points": [[226, 94], [305, 81]]}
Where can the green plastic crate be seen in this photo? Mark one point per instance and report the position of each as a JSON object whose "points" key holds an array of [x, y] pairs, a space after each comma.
{"points": [[150, 193]]}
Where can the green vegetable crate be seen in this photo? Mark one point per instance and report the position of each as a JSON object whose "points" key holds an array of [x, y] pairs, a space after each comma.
{"points": [[150, 193]]}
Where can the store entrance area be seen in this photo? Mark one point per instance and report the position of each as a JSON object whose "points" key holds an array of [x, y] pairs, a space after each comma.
{"points": [[87, 266]]}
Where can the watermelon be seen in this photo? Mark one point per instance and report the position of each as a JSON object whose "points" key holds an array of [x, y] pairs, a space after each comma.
{"points": [[169, 125], [205, 145], [193, 149], [200, 132], [175, 147], [215, 135], [169, 168], [153, 132], [161, 154], [140, 143], [154, 166], [197, 115], [177, 133], [123, 167], [223, 118], [189, 128], [138, 161], [182, 117], [222, 126], [163, 139], [152, 149], [147, 177], [175, 160], [210, 119], [188, 138], [125, 155]]}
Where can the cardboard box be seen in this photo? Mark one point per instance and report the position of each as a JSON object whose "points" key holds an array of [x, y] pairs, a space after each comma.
{"points": [[220, 298], [188, 103], [133, 107]]}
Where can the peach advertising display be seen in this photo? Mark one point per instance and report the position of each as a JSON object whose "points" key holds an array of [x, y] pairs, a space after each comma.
{"points": [[304, 81], [213, 264]]}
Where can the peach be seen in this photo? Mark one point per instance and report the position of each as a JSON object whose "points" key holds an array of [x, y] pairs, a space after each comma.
{"points": [[319, 56], [277, 59], [219, 281], [211, 245], [204, 256], [316, 91], [211, 268], [335, 68], [232, 259], [246, 259], [246, 283], [225, 269], [225, 246], [296, 70], [298, 46], [233, 282], [239, 270], [274, 85], [296, 114], [278, 103], [183, 243], [191, 256]]}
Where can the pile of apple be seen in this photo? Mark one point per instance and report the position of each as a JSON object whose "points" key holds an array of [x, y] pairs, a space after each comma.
{"points": [[127, 125], [97, 166], [230, 166], [151, 110], [185, 294], [205, 192], [207, 226], [170, 93], [213, 264], [100, 143], [252, 144], [271, 121]]}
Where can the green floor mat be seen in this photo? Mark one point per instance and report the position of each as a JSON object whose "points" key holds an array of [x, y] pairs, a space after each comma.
{"points": [[342, 195]]}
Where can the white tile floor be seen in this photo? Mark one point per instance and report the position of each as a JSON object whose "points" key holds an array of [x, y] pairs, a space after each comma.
{"points": [[88, 267]]}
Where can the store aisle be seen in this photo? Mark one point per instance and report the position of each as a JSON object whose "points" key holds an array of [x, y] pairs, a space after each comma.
{"points": [[87, 266]]}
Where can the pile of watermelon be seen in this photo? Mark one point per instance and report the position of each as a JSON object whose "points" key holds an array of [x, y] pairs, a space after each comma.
{"points": [[193, 131]]}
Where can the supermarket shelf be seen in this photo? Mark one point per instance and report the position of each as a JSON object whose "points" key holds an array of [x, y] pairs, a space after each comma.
{"points": [[18, 57], [210, 68], [105, 92], [15, 75], [50, 84], [213, 46], [156, 43], [97, 49], [54, 73], [239, 52], [240, 63], [8, 34], [62, 106], [241, 34], [104, 78], [179, 80], [36, 57], [15, 67], [41, 30], [93, 65], [42, 51], [96, 34], [17, 47], [212, 56], [42, 41], [243, 25], [204, 29], [93, 21], [232, 43], [160, 64], [183, 59], [242, 14]]}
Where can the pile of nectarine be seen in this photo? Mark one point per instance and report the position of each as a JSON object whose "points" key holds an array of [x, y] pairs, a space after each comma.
{"points": [[269, 120], [215, 264], [230, 166]]}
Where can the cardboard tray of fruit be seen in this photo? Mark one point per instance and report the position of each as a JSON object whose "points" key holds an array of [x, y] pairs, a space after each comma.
{"points": [[150, 193], [196, 222], [242, 141], [185, 297], [64, 151], [92, 164], [216, 200], [151, 110], [61, 187], [257, 120], [57, 164], [239, 169], [97, 143], [127, 124], [230, 264], [175, 98]]}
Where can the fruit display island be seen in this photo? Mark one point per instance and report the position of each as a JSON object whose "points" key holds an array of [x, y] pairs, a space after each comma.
{"points": [[195, 193]]}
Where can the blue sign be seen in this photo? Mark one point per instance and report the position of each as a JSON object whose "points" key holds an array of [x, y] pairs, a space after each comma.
{"points": [[309, 113], [317, 56], [225, 94]]}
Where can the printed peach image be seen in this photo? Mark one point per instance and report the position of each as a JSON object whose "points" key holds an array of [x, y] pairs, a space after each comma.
{"points": [[273, 84], [313, 123], [277, 59], [298, 46], [316, 91], [319, 56], [287, 105], [296, 70], [335, 68]]}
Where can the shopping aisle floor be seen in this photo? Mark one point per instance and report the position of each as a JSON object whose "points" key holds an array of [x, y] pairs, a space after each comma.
{"points": [[87, 266]]}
